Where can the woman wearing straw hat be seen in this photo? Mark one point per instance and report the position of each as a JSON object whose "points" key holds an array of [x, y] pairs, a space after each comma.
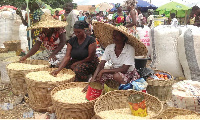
{"points": [[121, 48], [131, 19], [80, 56], [52, 36], [119, 18]]}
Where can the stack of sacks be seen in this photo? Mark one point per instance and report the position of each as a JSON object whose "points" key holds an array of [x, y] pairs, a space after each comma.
{"points": [[164, 50], [186, 95], [6, 23], [189, 53]]}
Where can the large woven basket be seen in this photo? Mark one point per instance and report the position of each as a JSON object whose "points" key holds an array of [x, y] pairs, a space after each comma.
{"points": [[70, 110], [17, 77], [39, 92], [3, 50], [170, 113], [12, 45], [161, 88], [118, 99]]}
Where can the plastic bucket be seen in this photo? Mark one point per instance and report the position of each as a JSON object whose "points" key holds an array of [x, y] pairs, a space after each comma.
{"points": [[140, 62]]}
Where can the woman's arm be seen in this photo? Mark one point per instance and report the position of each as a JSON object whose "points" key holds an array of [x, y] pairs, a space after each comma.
{"points": [[32, 51], [62, 38], [122, 69], [133, 17], [19, 12], [99, 68], [64, 61]]}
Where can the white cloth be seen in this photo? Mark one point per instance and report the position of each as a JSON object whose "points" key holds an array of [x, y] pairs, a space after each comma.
{"points": [[127, 56], [71, 19], [140, 18], [174, 22], [151, 17]]}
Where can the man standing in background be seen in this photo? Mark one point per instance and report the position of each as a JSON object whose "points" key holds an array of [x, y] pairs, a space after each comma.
{"points": [[71, 17]]}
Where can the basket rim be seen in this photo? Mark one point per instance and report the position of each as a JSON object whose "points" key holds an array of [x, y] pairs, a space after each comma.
{"points": [[164, 112], [110, 92], [156, 70]]}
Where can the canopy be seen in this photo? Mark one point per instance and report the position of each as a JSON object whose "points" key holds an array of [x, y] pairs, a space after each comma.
{"points": [[104, 6], [173, 7], [144, 5]]}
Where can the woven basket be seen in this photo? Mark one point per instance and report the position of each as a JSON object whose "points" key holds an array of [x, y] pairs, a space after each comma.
{"points": [[17, 77], [173, 112], [118, 99], [70, 110], [161, 88], [12, 45], [39, 92], [3, 50]]}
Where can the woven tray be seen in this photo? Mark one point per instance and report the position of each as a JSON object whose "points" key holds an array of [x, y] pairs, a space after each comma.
{"points": [[118, 99], [69, 110], [170, 113], [39, 92], [161, 88], [17, 77], [12, 45]]}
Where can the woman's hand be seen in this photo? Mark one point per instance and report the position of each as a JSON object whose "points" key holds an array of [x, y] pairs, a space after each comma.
{"points": [[22, 59], [55, 72], [53, 57], [100, 75], [85, 89]]}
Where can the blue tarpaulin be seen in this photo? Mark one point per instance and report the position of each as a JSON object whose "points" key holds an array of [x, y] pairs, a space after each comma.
{"points": [[144, 5]]}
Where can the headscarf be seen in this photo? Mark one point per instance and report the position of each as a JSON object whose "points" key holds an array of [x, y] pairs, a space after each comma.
{"points": [[81, 25]]}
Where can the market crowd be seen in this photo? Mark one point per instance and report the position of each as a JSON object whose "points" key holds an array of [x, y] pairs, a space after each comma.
{"points": [[72, 44]]}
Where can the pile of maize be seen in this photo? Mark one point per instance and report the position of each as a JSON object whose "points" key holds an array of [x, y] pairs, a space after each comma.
{"points": [[22, 66], [6, 55], [45, 76], [72, 95], [124, 113]]}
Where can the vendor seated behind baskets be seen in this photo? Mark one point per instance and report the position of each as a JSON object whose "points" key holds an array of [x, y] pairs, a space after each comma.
{"points": [[52, 36], [80, 56], [121, 53]]}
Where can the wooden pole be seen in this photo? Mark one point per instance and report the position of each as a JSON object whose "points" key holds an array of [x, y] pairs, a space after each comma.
{"points": [[185, 22], [27, 9]]}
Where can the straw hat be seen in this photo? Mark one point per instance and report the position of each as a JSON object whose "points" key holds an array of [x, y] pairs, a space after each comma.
{"points": [[104, 32], [47, 21]]}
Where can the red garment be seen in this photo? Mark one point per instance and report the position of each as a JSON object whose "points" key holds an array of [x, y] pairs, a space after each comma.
{"points": [[52, 42]]}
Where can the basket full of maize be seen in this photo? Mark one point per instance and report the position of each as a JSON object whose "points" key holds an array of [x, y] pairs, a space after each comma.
{"points": [[17, 72], [41, 83], [161, 88], [177, 113], [13, 45], [69, 101], [114, 105]]}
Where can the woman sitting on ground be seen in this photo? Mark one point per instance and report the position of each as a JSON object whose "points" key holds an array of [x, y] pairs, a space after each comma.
{"points": [[121, 53], [80, 56]]}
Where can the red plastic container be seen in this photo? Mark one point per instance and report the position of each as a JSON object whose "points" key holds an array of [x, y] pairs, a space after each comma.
{"points": [[92, 92]]}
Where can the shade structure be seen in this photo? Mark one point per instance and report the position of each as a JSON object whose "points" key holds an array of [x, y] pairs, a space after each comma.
{"points": [[173, 7], [144, 5]]}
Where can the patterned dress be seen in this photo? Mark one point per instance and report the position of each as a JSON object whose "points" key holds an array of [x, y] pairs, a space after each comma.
{"points": [[52, 43], [119, 20]]}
